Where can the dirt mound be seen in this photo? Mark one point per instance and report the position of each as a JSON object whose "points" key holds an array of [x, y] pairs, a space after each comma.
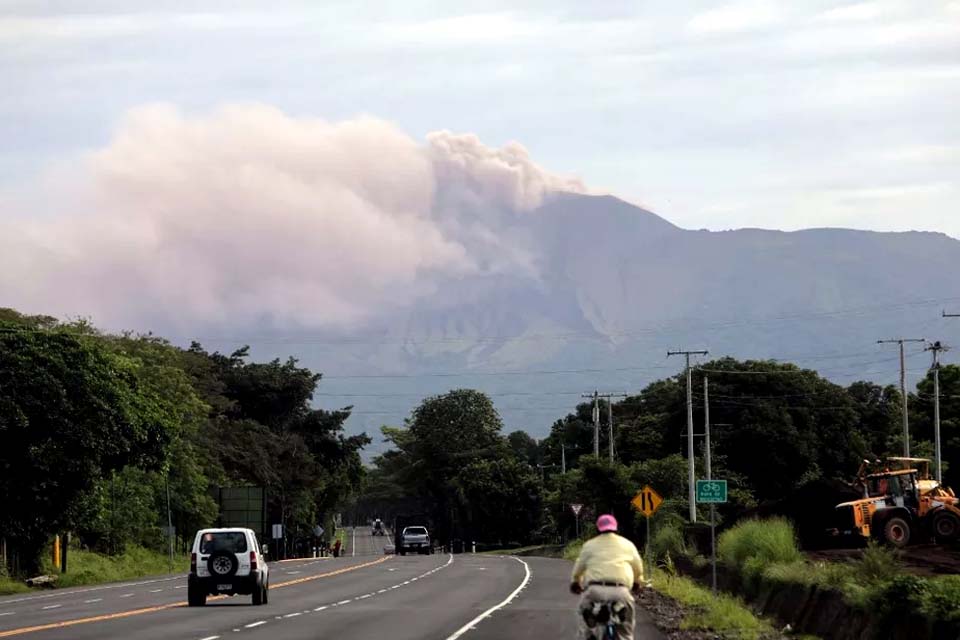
{"points": [[922, 559]]}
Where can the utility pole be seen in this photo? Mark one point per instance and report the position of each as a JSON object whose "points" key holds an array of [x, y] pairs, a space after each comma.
{"points": [[937, 348], [903, 388], [692, 475], [706, 429], [166, 481], [610, 397], [596, 421], [709, 470], [596, 395], [563, 458]]}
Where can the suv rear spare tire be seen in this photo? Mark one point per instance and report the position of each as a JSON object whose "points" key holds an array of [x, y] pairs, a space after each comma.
{"points": [[222, 564]]}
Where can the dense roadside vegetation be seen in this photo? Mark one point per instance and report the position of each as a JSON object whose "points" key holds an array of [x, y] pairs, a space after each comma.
{"points": [[97, 427], [781, 433], [97, 430], [763, 555]]}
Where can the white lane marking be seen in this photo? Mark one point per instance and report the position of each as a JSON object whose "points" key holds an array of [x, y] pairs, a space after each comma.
{"points": [[51, 606], [183, 586], [155, 590], [127, 595], [210, 638], [345, 602], [293, 573], [92, 600], [486, 614], [74, 592], [7, 613], [254, 624]]}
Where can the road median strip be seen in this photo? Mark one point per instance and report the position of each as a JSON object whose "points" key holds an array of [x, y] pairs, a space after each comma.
{"points": [[173, 605]]}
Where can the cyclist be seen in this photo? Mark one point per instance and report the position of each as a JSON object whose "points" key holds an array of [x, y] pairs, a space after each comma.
{"points": [[609, 571]]}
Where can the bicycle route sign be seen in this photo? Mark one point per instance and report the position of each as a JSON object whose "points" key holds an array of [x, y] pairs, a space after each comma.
{"points": [[647, 501], [711, 491]]}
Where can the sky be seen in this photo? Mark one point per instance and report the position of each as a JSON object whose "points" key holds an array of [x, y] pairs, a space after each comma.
{"points": [[715, 115]]}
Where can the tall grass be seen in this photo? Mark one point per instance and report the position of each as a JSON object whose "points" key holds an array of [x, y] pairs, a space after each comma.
{"points": [[768, 541], [723, 614], [87, 567], [752, 546], [9, 586]]}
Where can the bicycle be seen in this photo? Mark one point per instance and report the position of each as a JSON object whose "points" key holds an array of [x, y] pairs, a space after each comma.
{"points": [[605, 617]]}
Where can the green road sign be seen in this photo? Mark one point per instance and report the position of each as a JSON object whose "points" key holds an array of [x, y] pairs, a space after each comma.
{"points": [[711, 491]]}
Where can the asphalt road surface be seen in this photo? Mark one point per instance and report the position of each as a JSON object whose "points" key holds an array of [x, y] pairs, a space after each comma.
{"points": [[367, 595]]}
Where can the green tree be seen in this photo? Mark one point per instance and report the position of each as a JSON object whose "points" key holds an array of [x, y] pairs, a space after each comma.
{"points": [[71, 413], [444, 435], [525, 448], [500, 500]]}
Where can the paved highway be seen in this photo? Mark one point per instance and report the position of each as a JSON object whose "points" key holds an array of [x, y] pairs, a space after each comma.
{"points": [[366, 595]]}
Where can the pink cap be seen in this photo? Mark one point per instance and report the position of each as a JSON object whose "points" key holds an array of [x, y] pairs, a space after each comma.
{"points": [[606, 523]]}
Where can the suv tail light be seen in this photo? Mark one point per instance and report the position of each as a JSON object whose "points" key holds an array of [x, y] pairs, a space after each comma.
{"points": [[253, 561], [193, 563]]}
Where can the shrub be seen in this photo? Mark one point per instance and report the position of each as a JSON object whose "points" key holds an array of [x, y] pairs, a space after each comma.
{"points": [[901, 596], [764, 541], [941, 599], [667, 540], [572, 550], [878, 564]]}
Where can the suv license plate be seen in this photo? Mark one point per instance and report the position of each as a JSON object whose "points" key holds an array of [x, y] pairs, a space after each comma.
{"points": [[224, 587]]}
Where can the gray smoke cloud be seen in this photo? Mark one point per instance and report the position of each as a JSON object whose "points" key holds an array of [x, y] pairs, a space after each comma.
{"points": [[250, 216]]}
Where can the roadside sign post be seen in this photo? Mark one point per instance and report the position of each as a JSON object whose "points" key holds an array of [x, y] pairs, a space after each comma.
{"points": [[576, 508], [712, 492], [647, 502]]}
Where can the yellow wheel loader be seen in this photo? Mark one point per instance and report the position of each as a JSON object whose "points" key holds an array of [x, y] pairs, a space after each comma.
{"points": [[901, 503]]}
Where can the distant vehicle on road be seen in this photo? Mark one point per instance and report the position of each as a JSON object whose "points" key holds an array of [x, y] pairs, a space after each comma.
{"points": [[415, 539], [227, 562]]}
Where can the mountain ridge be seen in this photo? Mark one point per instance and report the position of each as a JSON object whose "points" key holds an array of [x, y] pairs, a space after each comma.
{"points": [[606, 285]]}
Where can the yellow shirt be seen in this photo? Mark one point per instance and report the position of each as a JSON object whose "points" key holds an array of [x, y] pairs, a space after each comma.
{"points": [[609, 558]]}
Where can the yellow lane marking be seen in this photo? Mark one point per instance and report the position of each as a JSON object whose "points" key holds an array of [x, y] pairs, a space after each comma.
{"points": [[288, 583], [163, 607], [301, 559]]}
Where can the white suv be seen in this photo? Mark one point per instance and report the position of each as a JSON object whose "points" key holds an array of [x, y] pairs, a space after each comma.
{"points": [[227, 561]]}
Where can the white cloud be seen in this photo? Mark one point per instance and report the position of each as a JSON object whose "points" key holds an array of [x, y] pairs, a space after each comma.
{"points": [[735, 18], [214, 219], [857, 12]]}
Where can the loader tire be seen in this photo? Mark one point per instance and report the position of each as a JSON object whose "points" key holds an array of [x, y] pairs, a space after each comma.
{"points": [[896, 532], [946, 526]]}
